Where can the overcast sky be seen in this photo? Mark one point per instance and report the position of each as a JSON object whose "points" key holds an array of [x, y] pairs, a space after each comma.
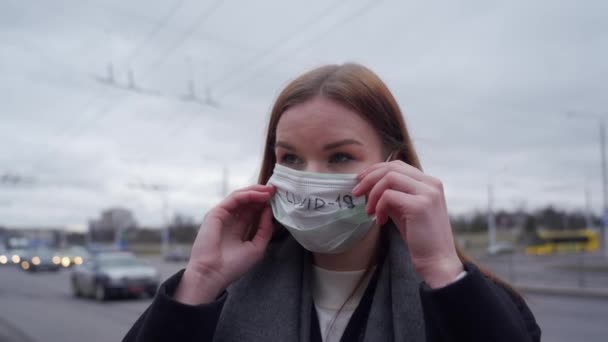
{"points": [[484, 87]]}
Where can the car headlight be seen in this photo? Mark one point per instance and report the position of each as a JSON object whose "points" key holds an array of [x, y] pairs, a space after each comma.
{"points": [[36, 260], [25, 265], [16, 259], [78, 260], [3, 259], [65, 261], [56, 260]]}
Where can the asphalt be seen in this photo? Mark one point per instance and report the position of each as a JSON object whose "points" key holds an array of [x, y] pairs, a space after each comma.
{"points": [[40, 307], [566, 275]]}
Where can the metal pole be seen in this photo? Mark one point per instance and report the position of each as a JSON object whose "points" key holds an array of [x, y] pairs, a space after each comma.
{"points": [[491, 220], [225, 181], [588, 216], [165, 229], [604, 185]]}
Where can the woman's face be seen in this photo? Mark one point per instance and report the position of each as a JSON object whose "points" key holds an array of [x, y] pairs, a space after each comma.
{"points": [[321, 135]]}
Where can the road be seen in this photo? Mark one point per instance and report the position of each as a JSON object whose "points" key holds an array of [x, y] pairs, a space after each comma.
{"points": [[40, 307], [557, 270]]}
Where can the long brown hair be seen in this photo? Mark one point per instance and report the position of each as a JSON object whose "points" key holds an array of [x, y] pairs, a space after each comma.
{"points": [[361, 90]]}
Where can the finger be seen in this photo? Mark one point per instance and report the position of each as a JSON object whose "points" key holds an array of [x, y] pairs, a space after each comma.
{"points": [[395, 204], [373, 177], [395, 181], [264, 232], [250, 213], [240, 198], [395, 165]]}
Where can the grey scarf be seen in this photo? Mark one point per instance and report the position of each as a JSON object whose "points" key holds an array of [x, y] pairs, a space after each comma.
{"points": [[273, 302]]}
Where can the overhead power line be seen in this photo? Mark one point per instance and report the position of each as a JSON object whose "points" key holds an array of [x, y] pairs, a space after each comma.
{"points": [[150, 70], [88, 104], [314, 19], [257, 72]]}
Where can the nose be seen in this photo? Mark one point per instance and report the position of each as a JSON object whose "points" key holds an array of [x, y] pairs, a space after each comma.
{"points": [[316, 166]]}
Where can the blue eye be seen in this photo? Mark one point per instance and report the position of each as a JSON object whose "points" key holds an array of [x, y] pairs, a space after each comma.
{"points": [[290, 159], [340, 158]]}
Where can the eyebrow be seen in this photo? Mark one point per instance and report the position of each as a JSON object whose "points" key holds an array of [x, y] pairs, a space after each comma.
{"points": [[330, 146], [284, 145], [342, 143]]}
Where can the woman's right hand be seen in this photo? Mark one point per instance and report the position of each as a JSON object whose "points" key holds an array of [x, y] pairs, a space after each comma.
{"points": [[220, 254]]}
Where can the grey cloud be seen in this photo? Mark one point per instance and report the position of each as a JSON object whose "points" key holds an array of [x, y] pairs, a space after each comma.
{"points": [[482, 85]]}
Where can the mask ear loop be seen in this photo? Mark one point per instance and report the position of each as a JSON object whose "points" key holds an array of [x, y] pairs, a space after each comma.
{"points": [[388, 159]]}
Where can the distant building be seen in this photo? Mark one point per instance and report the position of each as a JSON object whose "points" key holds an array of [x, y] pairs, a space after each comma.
{"points": [[30, 236], [112, 224]]}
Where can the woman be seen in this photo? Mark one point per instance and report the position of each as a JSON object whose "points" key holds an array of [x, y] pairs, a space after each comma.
{"points": [[343, 239]]}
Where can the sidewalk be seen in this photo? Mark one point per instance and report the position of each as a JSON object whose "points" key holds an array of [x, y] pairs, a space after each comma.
{"points": [[564, 291], [560, 275]]}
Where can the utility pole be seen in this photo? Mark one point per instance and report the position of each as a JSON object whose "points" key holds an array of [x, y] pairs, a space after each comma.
{"points": [[191, 94], [491, 218], [604, 175], [604, 185], [225, 181], [588, 216]]}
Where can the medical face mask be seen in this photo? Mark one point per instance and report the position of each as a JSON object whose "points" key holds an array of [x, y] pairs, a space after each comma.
{"points": [[319, 209]]}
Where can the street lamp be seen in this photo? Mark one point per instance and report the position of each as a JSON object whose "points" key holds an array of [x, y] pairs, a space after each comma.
{"points": [[491, 218], [604, 217], [225, 182]]}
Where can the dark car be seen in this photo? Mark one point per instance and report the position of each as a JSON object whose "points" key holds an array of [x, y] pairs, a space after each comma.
{"points": [[5, 257], [114, 274], [40, 259], [12, 256], [75, 255]]}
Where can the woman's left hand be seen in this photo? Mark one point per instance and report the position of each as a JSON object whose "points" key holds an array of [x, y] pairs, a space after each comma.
{"points": [[416, 204]]}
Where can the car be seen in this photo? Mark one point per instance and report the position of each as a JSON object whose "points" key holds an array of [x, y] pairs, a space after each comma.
{"points": [[114, 274], [74, 255], [40, 259], [177, 255], [4, 256], [14, 256], [501, 248]]}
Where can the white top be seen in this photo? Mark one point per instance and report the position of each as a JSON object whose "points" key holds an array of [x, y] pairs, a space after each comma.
{"points": [[330, 289]]}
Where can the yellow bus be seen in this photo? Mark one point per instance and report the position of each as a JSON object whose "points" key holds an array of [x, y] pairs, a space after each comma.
{"points": [[565, 241]]}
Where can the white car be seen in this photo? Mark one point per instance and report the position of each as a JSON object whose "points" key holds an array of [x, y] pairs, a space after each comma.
{"points": [[501, 248], [114, 274]]}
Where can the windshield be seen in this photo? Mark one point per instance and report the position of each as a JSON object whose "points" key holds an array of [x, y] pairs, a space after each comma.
{"points": [[119, 262], [76, 251], [43, 253]]}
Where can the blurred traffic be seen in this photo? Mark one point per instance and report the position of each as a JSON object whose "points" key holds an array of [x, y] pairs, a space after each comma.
{"points": [[99, 271], [125, 121], [114, 274]]}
